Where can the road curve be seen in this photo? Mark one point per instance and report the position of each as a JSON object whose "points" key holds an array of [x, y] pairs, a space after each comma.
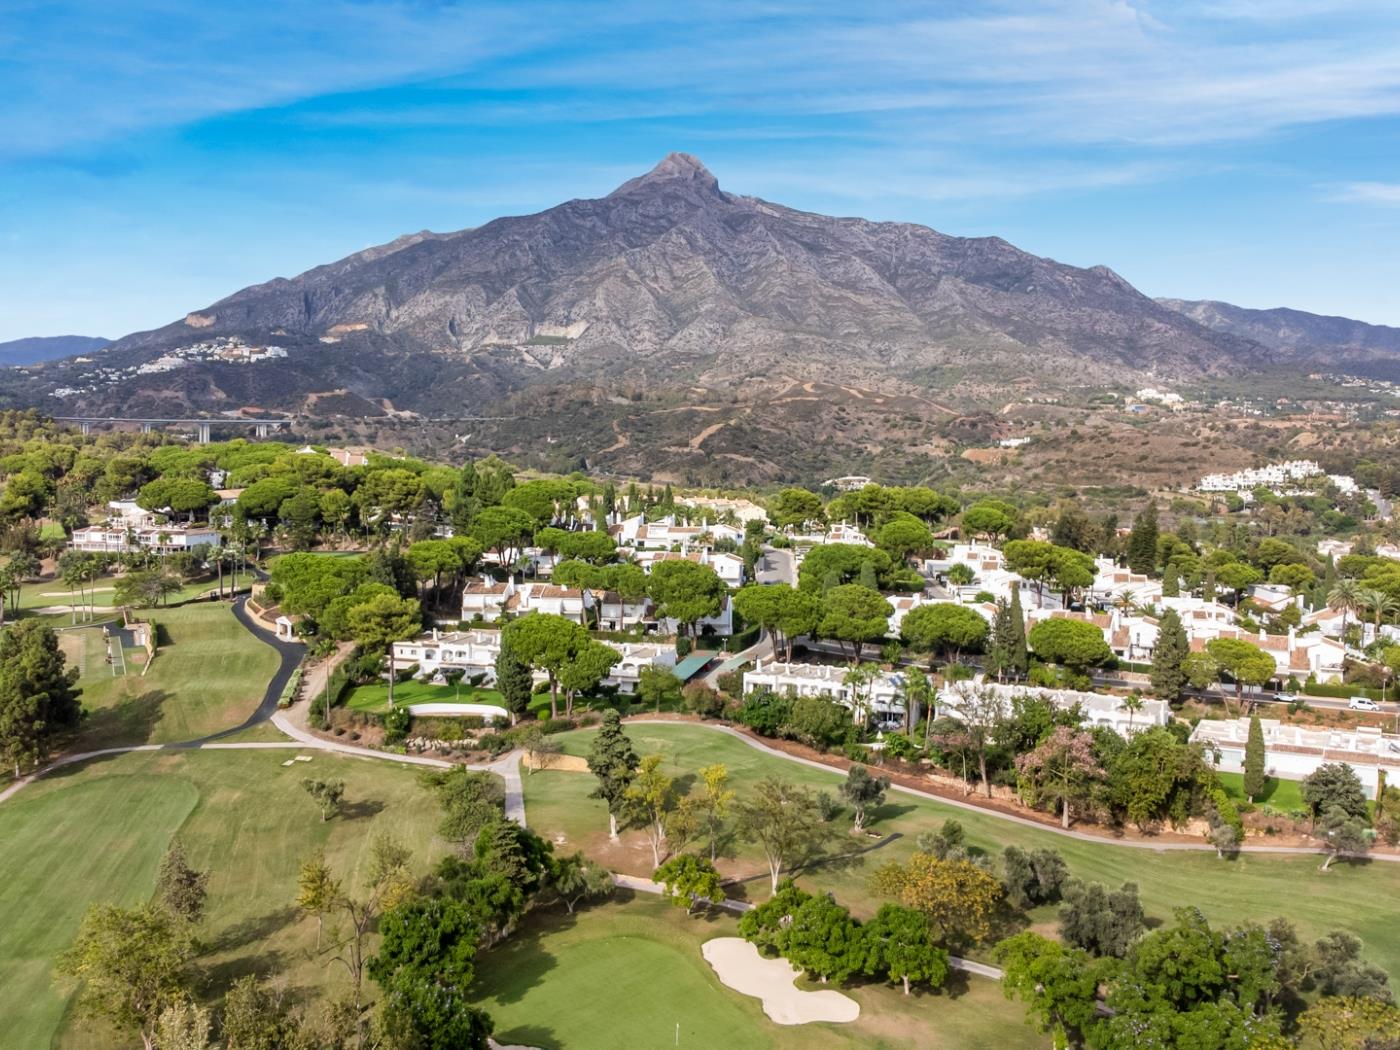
{"points": [[290, 653]]}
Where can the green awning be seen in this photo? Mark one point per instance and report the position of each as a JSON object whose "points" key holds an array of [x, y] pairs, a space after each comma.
{"points": [[693, 664]]}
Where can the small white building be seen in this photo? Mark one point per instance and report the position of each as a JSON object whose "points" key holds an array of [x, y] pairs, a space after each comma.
{"points": [[728, 567], [884, 694], [1291, 752], [1096, 709]]}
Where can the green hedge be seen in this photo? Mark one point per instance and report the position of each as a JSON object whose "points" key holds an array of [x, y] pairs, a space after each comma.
{"points": [[1341, 692]]}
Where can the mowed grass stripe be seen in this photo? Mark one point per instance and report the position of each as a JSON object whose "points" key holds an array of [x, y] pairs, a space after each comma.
{"points": [[87, 842], [210, 675], [1358, 898]]}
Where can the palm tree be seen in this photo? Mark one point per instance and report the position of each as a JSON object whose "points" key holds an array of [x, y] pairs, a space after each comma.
{"points": [[1345, 596], [1379, 604], [1132, 704], [859, 678]]}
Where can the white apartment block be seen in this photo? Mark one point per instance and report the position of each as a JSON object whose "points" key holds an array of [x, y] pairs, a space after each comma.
{"points": [[1272, 476], [473, 652], [1292, 752], [159, 539], [1096, 709], [884, 694]]}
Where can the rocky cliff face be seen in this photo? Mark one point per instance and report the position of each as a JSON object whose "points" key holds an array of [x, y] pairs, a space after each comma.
{"points": [[670, 278]]}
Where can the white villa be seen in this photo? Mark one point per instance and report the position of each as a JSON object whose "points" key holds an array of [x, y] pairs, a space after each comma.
{"points": [[1097, 709], [162, 539], [627, 672], [1291, 752], [742, 509], [616, 613], [639, 534], [473, 652], [571, 603], [485, 599], [826, 680], [728, 567]]}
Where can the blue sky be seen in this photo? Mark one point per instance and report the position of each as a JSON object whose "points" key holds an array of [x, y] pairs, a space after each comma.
{"points": [[155, 156]]}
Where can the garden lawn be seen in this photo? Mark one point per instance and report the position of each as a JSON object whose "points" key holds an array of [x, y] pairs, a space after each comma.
{"points": [[96, 834], [1354, 897], [628, 974], [209, 673], [1286, 796], [374, 697]]}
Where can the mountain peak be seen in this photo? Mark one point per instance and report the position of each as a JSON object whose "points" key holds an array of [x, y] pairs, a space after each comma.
{"points": [[674, 167]]}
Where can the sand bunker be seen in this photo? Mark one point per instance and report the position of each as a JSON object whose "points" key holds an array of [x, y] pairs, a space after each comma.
{"points": [[739, 966]]}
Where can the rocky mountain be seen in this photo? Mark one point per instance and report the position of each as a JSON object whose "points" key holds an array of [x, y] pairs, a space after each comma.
{"points": [[35, 349], [1314, 338], [669, 279]]}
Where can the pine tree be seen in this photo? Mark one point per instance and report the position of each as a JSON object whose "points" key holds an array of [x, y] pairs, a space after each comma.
{"points": [[1254, 778], [1169, 658], [613, 761], [1142, 542], [1018, 655]]}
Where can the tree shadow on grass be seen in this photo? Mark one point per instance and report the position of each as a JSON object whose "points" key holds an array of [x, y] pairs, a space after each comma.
{"points": [[536, 1035], [890, 811], [362, 809], [133, 720], [223, 974], [527, 962], [252, 930]]}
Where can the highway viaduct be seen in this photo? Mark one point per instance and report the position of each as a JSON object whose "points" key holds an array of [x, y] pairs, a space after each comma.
{"points": [[202, 427]]}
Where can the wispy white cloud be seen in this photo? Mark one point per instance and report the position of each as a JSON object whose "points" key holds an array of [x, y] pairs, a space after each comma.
{"points": [[1154, 73], [1387, 193]]}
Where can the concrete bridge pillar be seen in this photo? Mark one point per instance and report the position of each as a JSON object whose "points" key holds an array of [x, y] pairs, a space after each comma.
{"points": [[203, 433], [261, 430], [146, 428], [85, 429]]}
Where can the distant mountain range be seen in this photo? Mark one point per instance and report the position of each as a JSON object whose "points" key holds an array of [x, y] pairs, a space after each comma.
{"points": [[35, 349], [1295, 334], [672, 295]]}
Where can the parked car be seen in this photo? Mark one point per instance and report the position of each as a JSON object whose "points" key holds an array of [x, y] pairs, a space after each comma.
{"points": [[1361, 703]]}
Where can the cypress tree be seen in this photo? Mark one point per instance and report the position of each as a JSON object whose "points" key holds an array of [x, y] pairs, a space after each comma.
{"points": [[513, 681], [1254, 779], [1169, 658], [613, 762], [1142, 542], [1171, 582], [1208, 586], [1018, 655], [995, 662], [867, 575]]}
